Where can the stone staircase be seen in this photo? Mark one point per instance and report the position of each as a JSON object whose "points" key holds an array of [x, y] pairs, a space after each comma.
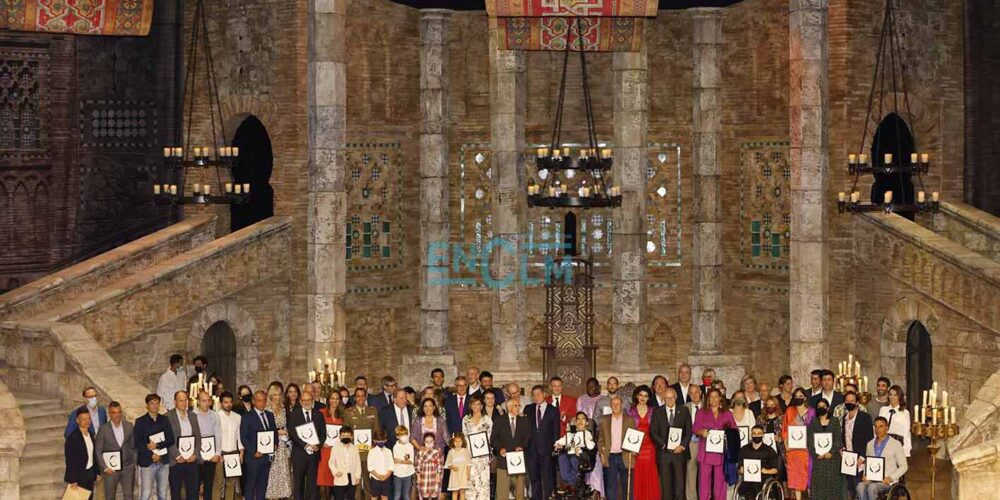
{"points": [[42, 464]]}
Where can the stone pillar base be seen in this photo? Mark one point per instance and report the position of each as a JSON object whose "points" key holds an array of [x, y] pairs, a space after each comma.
{"points": [[416, 369], [729, 369]]}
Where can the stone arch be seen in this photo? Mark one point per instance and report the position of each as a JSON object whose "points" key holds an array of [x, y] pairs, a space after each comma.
{"points": [[245, 330], [895, 327]]}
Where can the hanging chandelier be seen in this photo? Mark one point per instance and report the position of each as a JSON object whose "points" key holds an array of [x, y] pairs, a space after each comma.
{"points": [[889, 163], [201, 162], [557, 165]]}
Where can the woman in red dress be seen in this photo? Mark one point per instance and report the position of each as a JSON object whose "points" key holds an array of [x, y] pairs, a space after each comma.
{"points": [[333, 414], [645, 476]]}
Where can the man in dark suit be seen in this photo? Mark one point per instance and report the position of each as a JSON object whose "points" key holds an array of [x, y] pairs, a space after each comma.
{"points": [[258, 465], [371, 400], [81, 462], [400, 412], [660, 386], [857, 429], [383, 398], [682, 384], [671, 458], [184, 471], [116, 435], [456, 405], [305, 456], [486, 385], [511, 432], [544, 421], [832, 397]]}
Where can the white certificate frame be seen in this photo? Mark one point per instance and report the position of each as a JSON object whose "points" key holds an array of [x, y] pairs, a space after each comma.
{"points": [[363, 438], [265, 442], [822, 443], [674, 436], [208, 450], [185, 447], [516, 463], [769, 440], [307, 432], [479, 444], [332, 434], [113, 460], [231, 465], [158, 438], [752, 470], [797, 437], [744, 435], [874, 469], [632, 441], [849, 463], [715, 442]]}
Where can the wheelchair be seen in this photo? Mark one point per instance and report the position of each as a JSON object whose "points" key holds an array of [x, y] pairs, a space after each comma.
{"points": [[771, 489], [897, 491]]}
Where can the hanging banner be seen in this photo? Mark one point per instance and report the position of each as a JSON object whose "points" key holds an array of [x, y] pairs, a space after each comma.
{"points": [[79, 17], [572, 8], [606, 34]]}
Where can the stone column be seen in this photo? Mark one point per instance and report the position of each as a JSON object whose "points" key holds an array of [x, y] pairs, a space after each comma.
{"points": [[508, 96], [327, 264], [628, 272], [706, 276], [809, 116], [434, 352]]}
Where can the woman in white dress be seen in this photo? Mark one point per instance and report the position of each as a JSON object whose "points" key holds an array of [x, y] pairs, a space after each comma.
{"points": [[899, 418], [475, 422]]}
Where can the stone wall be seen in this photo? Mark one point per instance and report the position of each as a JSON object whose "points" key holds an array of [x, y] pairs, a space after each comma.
{"points": [[968, 226], [982, 122], [13, 438]]}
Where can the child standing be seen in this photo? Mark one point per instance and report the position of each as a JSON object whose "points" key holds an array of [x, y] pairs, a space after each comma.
{"points": [[429, 469], [402, 465], [345, 465], [459, 461], [380, 467]]}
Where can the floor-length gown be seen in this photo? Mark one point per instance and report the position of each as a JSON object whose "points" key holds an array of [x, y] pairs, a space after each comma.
{"points": [[279, 481], [646, 477], [479, 475]]}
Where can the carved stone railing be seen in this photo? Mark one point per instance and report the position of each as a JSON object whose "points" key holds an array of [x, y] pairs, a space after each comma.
{"points": [[933, 265], [159, 294], [975, 451], [62, 286], [972, 228], [12, 441]]}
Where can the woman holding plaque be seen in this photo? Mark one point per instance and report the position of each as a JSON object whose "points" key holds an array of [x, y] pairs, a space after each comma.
{"points": [[713, 416], [333, 414], [797, 461], [475, 422], [645, 477], [279, 480], [771, 421], [825, 441]]}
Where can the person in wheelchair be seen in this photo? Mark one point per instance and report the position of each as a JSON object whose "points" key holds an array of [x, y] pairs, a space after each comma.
{"points": [[576, 451], [756, 449], [895, 462]]}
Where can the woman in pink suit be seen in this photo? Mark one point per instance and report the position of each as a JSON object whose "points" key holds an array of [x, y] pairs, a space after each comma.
{"points": [[712, 416]]}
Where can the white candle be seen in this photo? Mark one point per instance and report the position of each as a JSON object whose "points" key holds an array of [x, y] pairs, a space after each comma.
{"points": [[887, 198], [855, 197], [920, 197], [197, 152], [863, 158], [857, 368], [196, 188], [953, 415], [236, 151], [888, 158], [239, 189], [944, 399], [925, 158], [916, 412], [841, 196], [173, 189], [246, 187], [852, 159], [565, 151], [167, 152], [319, 364], [229, 187], [933, 417], [864, 384], [935, 196], [541, 152], [312, 375], [945, 415], [207, 189], [913, 158], [156, 189], [925, 398], [178, 152]]}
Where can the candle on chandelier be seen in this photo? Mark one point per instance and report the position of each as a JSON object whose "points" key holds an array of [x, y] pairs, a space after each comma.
{"points": [[925, 158], [197, 152], [925, 398], [197, 189], [206, 189], [913, 158], [933, 417], [850, 363], [606, 153], [206, 151], [236, 151], [229, 187], [167, 152], [246, 187], [863, 159], [156, 189], [920, 196], [852, 159], [542, 152], [935, 196], [179, 152], [312, 375], [841, 196], [888, 158], [173, 189], [887, 198], [855, 197], [239, 189], [552, 191]]}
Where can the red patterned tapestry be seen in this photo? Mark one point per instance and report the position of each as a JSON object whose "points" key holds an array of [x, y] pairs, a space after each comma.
{"points": [[574, 8], [80, 17], [606, 34]]}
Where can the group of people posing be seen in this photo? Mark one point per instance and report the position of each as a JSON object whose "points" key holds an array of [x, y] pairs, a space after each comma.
{"points": [[474, 441]]}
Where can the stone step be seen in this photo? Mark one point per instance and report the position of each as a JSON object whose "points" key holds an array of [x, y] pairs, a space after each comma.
{"points": [[41, 472], [51, 491], [43, 452], [49, 437]]}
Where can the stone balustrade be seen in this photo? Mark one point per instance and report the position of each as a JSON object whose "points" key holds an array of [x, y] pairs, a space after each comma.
{"points": [[12, 440], [63, 286], [975, 451], [972, 228]]}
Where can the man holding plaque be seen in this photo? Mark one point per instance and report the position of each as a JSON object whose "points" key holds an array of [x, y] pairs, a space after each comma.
{"points": [[228, 440], [609, 444], [671, 433], [511, 432], [763, 455], [363, 419], [183, 455], [114, 442], [307, 429], [893, 462], [258, 432], [857, 431], [208, 449], [544, 420], [152, 439], [81, 466]]}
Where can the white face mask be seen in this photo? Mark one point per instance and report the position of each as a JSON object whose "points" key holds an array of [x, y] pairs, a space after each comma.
{"points": [[92, 402], [345, 400], [404, 438]]}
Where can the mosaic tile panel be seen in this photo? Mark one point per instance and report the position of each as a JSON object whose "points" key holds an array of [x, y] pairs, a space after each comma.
{"points": [[373, 232], [765, 204], [663, 204]]}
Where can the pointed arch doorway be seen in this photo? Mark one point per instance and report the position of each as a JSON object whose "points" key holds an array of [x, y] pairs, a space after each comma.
{"points": [[919, 359], [219, 346]]}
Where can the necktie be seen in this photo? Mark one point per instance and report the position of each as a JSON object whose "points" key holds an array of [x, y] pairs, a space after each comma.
{"points": [[891, 414], [513, 426], [263, 420], [461, 405], [538, 416], [309, 417], [670, 417], [557, 402], [401, 417]]}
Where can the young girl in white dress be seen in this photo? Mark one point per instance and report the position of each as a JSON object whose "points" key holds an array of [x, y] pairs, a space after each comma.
{"points": [[458, 462]]}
